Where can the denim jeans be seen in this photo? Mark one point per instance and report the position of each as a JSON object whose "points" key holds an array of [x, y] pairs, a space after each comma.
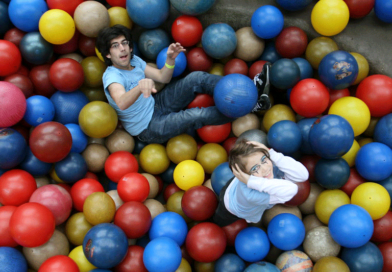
{"points": [[171, 119]]}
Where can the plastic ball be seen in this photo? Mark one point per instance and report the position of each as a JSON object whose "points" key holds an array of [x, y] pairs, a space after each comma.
{"points": [[13, 148], [25, 15], [286, 231], [59, 263], [120, 163], [199, 203], [119, 16], [11, 57], [293, 5], [66, 75], [210, 156], [171, 225], [153, 41], [16, 187], [39, 110], [219, 40], [187, 30], [180, 62], [332, 174], [142, 12], [230, 261], [193, 7], [13, 104], [12, 260], [35, 49], [188, 173], [267, 22], [82, 189], [291, 42], [330, 17], [77, 255], [285, 136], [383, 10], [327, 202], [88, 12], [153, 159], [162, 254], [284, 74], [318, 48], [289, 260], [252, 244], [56, 26], [133, 187]]}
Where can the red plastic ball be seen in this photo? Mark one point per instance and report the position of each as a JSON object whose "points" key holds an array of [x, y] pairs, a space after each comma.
{"points": [[202, 101], [50, 142], [291, 42], [199, 203], [256, 68], [87, 45], [233, 229], [5, 235], [134, 218], [383, 228], [23, 71], [309, 97], [379, 100], [386, 251], [91, 175], [133, 187], [65, 186], [59, 263], [206, 242], [32, 225], [359, 8], [160, 183], [68, 47], [22, 82], [11, 58], [236, 66], [66, 75], [214, 134], [310, 161], [353, 181], [56, 199], [82, 189], [117, 3], [198, 60], [133, 261], [120, 163], [68, 6], [336, 94], [12, 104], [39, 75], [229, 143], [187, 30], [16, 187], [302, 194], [169, 190], [14, 35]]}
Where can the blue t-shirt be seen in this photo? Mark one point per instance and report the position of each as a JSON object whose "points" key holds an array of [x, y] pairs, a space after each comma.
{"points": [[136, 117]]}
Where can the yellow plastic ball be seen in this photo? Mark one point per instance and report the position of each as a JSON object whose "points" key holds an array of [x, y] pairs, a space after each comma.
{"points": [[80, 259], [119, 16], [174, 205], [330, 263], [354, 110], [277, 113], [188, 174], [364, 141], [98, 119], [373, 197], [99, 208], [153, 159], [93, 69], [210, 156], [76, 228], [330, 17], [180, 148], [184, 266], [99, 55], [349, 157], [54, 176], [56, 26], [363, 67], [217, 69], [328, 201], [318, 48]]}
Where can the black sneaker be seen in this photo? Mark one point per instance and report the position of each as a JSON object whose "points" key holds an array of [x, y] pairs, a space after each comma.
{"points": [[262, 104], [262, 82]]}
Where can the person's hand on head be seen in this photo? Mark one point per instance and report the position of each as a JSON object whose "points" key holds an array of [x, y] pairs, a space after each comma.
{"points": [[174, 49], [257, 144], [238, 173], [147, 86]]}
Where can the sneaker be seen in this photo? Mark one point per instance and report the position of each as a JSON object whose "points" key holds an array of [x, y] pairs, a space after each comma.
{"points": [[262, 104], [262, 80]]}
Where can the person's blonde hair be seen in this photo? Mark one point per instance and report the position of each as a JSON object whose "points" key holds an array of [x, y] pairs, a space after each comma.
{"points": [[241, 150]]}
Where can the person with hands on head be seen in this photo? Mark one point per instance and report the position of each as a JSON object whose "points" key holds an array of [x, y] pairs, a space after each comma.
{"points": [[262, 179], [154, 117]]}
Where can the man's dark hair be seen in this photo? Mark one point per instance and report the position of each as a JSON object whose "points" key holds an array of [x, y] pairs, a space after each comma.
{"points": [[109, 33]]}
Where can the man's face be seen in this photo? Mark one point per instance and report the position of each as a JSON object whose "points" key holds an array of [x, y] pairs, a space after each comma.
{"points": [[120, 52], [259, 165]]}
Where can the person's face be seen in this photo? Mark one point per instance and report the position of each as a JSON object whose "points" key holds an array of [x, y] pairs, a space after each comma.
{"points": [[120, 52], [259, 165]]}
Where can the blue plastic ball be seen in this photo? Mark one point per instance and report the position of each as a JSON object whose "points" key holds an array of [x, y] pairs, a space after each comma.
{"points": [[374, 161], [382, 130], [72, 168], [286, 231], [331, 136], [270, 53], [262, 267], [219, 40], [305, 68], [285, 136], [267, 22], [235, 95], [135, 49], [11, 260], [167, 176], [304, 126], [34, 166], [180, 62], [367, 258], [5, 22], [252, 244], [338, 70], [151, 42], [39, 109], [162, 255], [105, 245], [332, 174], [383, 10], [171, 225], [229, 262], [79, 139], [192, 7], [25, 14], [220, 176], [148, 14], [68, 106], [13, 148], [387, 184], [35, 49], [351, 226], [284, 74], [293, 5]]}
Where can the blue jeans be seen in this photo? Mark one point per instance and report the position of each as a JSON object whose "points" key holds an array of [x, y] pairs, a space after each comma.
{"points": [[170, 119]]}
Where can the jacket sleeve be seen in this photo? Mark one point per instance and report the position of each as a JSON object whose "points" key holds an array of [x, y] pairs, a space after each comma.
{"points": [[292, 169]]}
